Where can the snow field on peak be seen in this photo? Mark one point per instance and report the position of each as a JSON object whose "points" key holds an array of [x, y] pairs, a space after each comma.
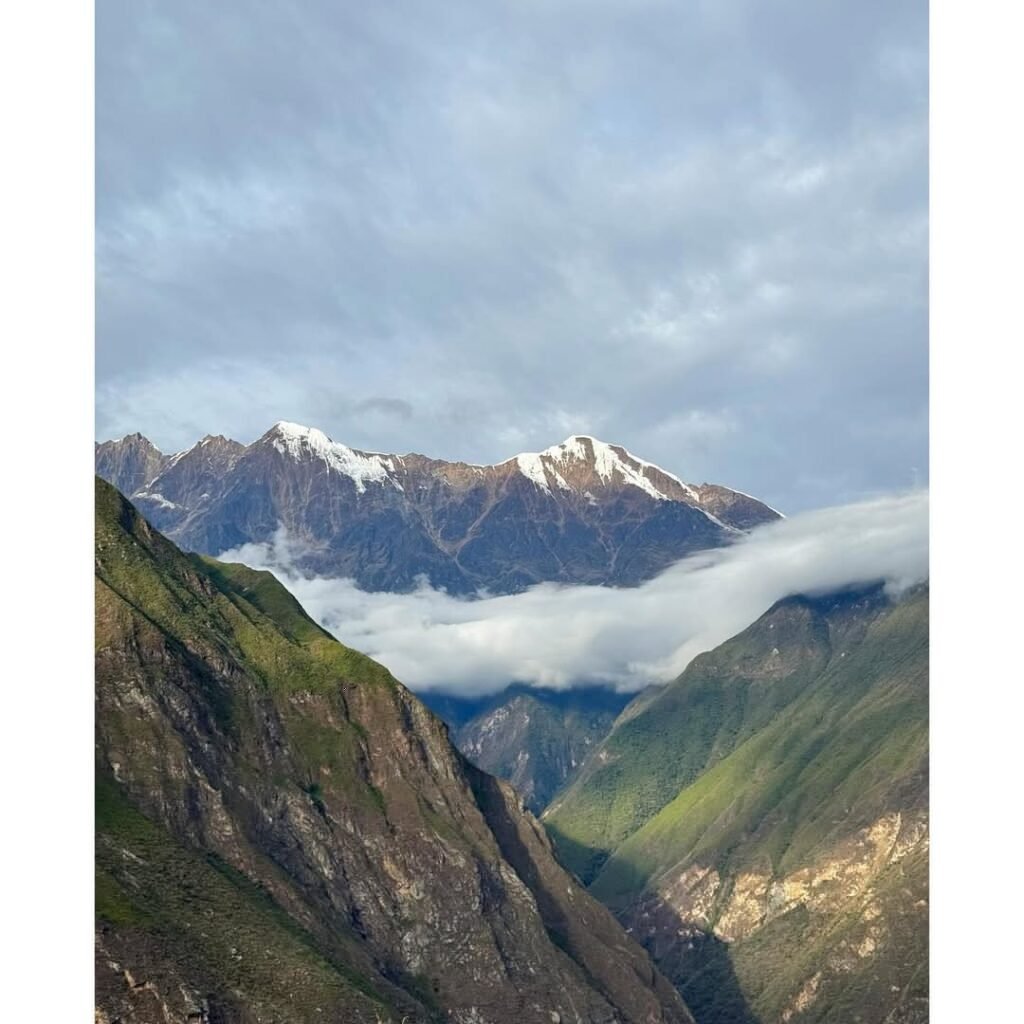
{"points": [[607, 463], [295, 440]]}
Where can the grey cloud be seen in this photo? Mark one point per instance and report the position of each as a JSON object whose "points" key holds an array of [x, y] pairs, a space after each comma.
{"points": [[635, 219], [566, 636], [395, 407]]}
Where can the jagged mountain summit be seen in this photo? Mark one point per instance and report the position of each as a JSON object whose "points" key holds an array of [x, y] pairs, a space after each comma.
{"points": [[285, 833], [129, 463], [583, 511]]}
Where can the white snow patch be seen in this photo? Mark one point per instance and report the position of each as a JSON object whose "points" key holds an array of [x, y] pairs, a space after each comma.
{"points": [[607, 463], [531, 466], [360, 467], [688, 490]]}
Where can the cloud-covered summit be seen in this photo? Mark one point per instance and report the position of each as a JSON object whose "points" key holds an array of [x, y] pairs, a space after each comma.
{"points": [[559, 636], [700, 229]]}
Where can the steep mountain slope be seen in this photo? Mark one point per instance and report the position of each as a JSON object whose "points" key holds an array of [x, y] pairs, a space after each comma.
{"points": [[785, 879], [283, 832], [580, 512], [655, 750], [534, 738]]}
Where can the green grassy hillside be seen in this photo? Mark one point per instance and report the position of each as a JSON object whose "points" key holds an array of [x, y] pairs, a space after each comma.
{"points": [[722, 698], [786, 877], [852, 746], [284, 832]]}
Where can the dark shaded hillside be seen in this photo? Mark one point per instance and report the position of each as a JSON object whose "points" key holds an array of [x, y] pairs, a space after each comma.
{"points": [[762, 825], [283, 832]]}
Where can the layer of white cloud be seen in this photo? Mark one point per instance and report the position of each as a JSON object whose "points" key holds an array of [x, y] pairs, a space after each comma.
{"points": [[561, 637]]}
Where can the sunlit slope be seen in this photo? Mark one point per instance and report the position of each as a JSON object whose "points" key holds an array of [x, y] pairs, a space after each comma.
{"points": [[664, 744], [787, 877]]}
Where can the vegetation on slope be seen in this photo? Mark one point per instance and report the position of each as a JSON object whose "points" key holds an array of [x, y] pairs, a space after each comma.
{"points": [[723, 697], [246, 613], [285, 832], [222, 932], [787, 879], [851, 748]]}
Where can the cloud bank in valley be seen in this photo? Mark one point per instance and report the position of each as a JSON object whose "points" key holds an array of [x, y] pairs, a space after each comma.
{"points": [[559, 636]]}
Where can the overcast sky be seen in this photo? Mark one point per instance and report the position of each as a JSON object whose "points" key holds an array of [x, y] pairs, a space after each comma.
{"points": [[698, 229]]}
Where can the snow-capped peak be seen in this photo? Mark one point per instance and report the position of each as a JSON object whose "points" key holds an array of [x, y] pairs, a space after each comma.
{"points": [[607, 461], [298, 442]]}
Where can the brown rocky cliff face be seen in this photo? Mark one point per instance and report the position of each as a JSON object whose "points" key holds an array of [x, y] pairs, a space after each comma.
{"points": [[581, 925], [187, 479], [312, 774]]}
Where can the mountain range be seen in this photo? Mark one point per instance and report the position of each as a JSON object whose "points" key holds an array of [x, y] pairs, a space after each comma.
{"points": [[582, 512], [285, 833]]}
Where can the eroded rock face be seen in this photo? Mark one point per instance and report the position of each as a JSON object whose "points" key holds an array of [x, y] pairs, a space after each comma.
{"points": [[580, 512], [285, 832], [862, 908]]}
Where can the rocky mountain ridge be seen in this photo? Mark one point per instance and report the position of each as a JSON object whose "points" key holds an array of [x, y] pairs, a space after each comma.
{"points": [[583, 511], [284, 832]]}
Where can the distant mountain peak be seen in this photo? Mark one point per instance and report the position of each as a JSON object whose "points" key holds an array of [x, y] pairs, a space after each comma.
{"points": [[134, 440], [581, 463], [129, 462], [593, 461], [302, 443]]}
